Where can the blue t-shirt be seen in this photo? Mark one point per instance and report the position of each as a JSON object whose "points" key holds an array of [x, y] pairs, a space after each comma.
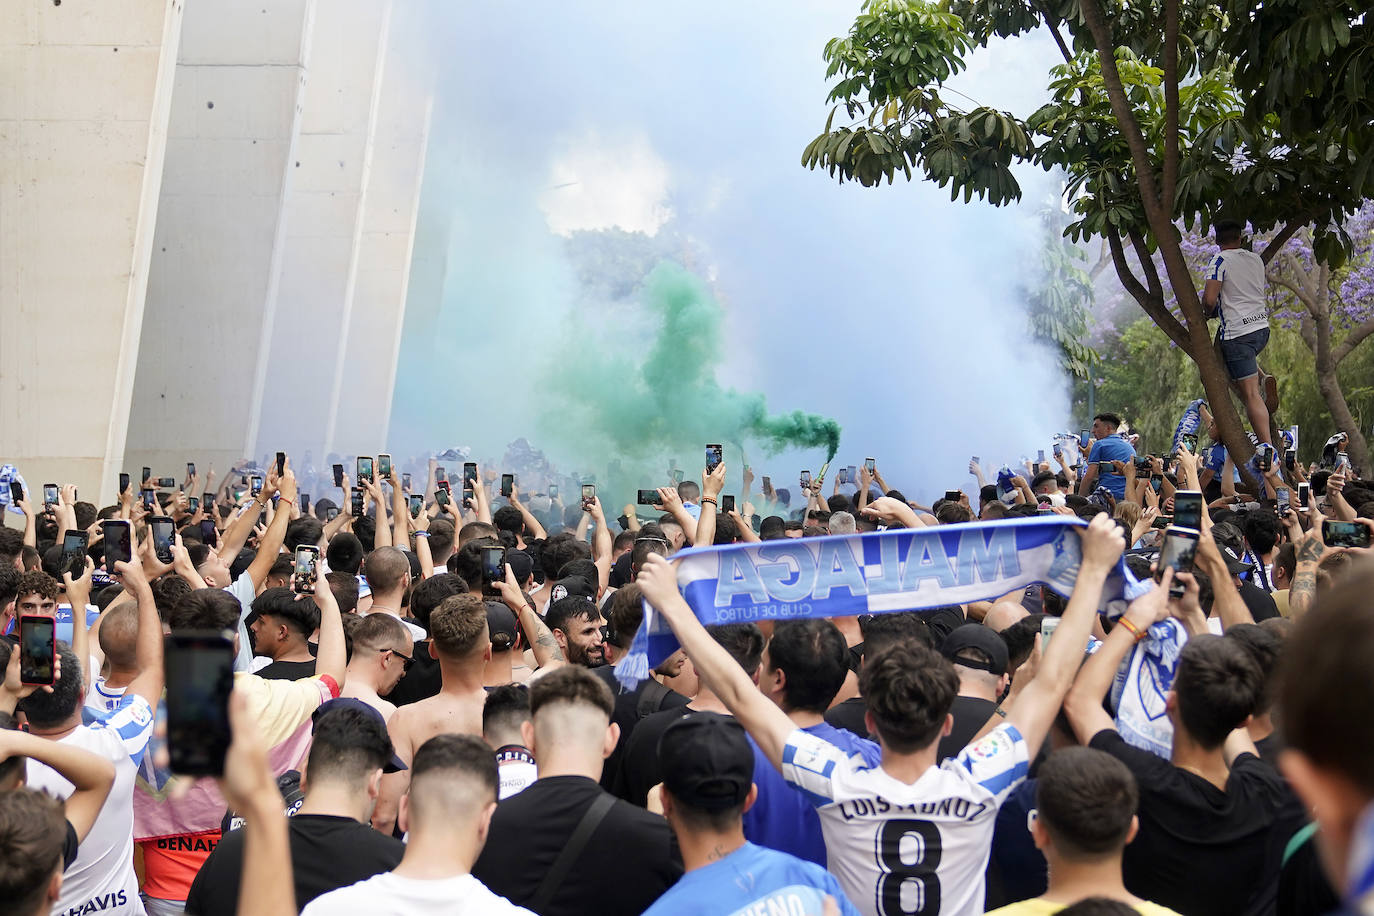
{"points": [[782, 818], [751, 880], [1112, 448]]}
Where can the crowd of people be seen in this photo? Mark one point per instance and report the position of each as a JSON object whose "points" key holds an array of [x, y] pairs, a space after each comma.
{"points": [[428, 718]]}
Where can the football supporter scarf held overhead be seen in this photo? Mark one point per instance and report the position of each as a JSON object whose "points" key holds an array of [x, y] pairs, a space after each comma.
{"points": [[874, 573]]}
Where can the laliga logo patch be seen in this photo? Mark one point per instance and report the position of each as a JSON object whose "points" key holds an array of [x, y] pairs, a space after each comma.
{"points": [[141, 714], [559, 593]]}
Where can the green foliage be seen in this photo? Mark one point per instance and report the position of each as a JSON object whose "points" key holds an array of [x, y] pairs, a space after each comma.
{"points": [[1059, 303]]}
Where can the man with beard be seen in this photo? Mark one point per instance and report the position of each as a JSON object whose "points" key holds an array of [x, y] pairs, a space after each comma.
{"points": [[576, 624]]}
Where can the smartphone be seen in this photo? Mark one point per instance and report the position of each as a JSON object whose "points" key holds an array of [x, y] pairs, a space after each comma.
{"points": [[209, 535], [588, 495], [1188, 509], [805, 479], [207, 500], [1084, 436], [1342, 462], [50, 494], [364, 469], [714, 456], [190, 469], [441, 496], [417, 505], [1162, 521], [446, 486], [872, 464], [439, 473], [727, 504], [147, 475], [1344, 534], [1265, 460], [74, 545], [1190, 442], [338, 475], [469, 494], [255, 486], [842, 475], [164, 530], [1282, 500], [1304, 496], [166, 482], [305, 504], [119, 542], [677, 476], [405, 481], [493, 562], [767, 482], [307, 570], [1290, 459], [123, 483], [953, 495], [647, 498], [16, 491], [553, 491], [37, 649], [199, 666], [331, 513], [1058, 450], [507, 484], [1106, 467], [851, 474], [470, 471], [357, 502], [1039, 456], [1178, 553], [281, 463], [384, 466], [1047, 627], [149, 500]]}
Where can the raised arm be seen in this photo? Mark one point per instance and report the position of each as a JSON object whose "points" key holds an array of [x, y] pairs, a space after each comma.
{"points": [[711, 485], [670, 501], [1040, 700], [536, 530], [602, 544], [251, 790], [540, 638], [400, 511], [383, 535], [79, 594], [269, 546], [91, 776], [332, 659], [148, 642], [767, 723]]}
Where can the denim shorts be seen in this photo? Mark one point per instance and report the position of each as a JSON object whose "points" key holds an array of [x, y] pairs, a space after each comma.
{"points": [[1241, 353]]}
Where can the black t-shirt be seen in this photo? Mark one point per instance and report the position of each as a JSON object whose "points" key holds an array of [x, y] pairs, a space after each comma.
{"points": [[287, 671], [326, 853], [421, 682], [647, 697], [1260, 602], [639, 770], [627, 864], [849, 715], [970, 715], [1200, 850]]}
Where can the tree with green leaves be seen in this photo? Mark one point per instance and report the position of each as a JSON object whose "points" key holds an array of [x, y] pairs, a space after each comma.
{"points": [[1162, 111], [1059, 301]]}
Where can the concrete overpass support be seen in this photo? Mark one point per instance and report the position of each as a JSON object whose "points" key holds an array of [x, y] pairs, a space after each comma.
{"points": [[85, 94], [236, 113]]}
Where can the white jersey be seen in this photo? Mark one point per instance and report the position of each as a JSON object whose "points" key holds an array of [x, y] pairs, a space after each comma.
{"points": [[1242, 304], [909, 850], [101, 699], [389, 894], [102, 878]]}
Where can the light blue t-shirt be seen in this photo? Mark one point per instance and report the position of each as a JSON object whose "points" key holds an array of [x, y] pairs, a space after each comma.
{"points": [[783, 818], [1112, 448], [753, 880]]}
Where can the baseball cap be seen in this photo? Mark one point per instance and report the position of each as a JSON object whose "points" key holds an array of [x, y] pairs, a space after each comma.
{"points": [[500, 626], [706, 761], [979, 638], [572, 586], [1234, 564], [521, 564], [394, 765]]}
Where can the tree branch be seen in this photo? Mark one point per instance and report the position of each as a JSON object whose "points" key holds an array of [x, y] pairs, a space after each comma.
{"points": [[1151, 305], [1287, 232], [1170, 103], [1147, 263], [1352, 340], [1052, 23]]}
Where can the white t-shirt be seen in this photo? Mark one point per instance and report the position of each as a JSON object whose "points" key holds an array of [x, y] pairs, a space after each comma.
{"points": [[516, 770], [1242, 304], [102, 698], [900, 849], [102, 878], [243, 590], [391, 895]]}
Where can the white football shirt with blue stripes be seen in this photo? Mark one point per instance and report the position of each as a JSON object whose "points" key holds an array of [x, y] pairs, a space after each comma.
{"points": [[916, 849]]}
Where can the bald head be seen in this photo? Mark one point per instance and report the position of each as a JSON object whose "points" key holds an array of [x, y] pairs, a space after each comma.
{"points": [[386, 569], [119, 636], [1003, 614]]}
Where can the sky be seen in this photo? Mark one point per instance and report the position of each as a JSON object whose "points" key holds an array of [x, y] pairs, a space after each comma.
{"points": [[892, 310]]}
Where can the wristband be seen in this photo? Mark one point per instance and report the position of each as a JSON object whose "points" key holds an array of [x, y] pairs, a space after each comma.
{"points": [[1134, 630], [711, 500], [422, 534]]}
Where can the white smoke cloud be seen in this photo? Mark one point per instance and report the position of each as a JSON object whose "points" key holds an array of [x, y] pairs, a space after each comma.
{"points": [[601, 182]]}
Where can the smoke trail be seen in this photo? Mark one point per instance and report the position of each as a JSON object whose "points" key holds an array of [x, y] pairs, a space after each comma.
{"points": [[669, 398]]}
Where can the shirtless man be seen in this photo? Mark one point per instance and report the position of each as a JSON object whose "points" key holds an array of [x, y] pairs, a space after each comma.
{"points": [[382, 652], [462, 646]]}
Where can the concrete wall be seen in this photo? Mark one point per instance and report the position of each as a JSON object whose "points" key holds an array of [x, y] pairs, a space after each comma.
{"points": [[85, 92], [240, 83]]}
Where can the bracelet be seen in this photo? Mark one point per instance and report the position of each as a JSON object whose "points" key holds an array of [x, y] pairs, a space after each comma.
{"points": [[711, 500], [1134, 630], [422, 534]]}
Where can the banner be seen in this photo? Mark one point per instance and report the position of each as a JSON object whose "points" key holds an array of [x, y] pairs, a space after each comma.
{"points": [[878, 572]]}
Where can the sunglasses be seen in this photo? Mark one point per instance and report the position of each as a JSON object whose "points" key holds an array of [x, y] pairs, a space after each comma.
{"points": [[406, 660]]}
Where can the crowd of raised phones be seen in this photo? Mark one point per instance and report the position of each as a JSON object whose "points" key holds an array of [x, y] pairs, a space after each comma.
{"points": [[400, 696]]}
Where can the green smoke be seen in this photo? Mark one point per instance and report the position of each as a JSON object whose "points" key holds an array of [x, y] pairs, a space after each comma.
{"points": [[661, 398]]}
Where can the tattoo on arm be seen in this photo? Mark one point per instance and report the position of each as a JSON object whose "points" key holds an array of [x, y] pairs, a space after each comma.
{"points": [[546, 640]]}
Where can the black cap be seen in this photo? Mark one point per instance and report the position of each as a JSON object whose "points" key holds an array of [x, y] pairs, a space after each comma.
{"points": [[1234, 564], [501, 625], [706, 761], [572, 586], [394, 765], [979, 638], [521, 565]]}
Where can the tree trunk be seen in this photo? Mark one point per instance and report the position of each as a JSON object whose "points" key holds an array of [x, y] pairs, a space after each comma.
{"points": [[1330, 388]]}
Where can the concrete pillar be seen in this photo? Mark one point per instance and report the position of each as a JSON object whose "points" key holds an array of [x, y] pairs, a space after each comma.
{"points": [[230, 153], [323, 221], [85, 93]]}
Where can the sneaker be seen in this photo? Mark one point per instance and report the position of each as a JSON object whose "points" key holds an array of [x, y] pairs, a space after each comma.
{"points": [[1270, 388]]}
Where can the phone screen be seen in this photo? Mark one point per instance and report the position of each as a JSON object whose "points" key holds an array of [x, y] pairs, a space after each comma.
{"points": [[364, 470], [1178, 553], [441, 496], [50, 493], [553, 491], [1188, 509], [74, 552], [119, 543], [1040, 456], [470, 471], [588, 492], [338, 475], [200, 674], [492, 560], [357, 502], [1344, 534], [1083, 437], [507, 484], [953, 495], [331, 513], [16, 491], [417, 504], [305, 503], [37, 648], [805, 479], [871, 464], [1282, 499], [163, 531], [647, 498], [255, 486], [440, 474], [147, 474], [190, 469], [123, 482], [384, 466], [208, 534], [281, 463], [714, 457], [1304, 496], [307, 570], [1047, 628], [405, 481], [727, 504]]}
